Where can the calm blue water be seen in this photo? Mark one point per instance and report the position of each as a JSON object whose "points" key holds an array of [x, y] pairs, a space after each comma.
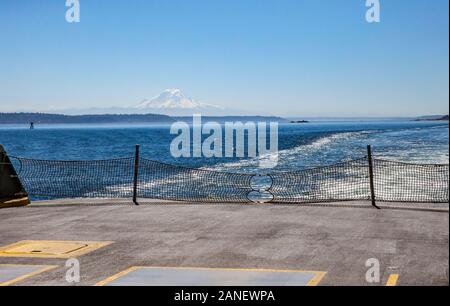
{"points": [[300, 145]]}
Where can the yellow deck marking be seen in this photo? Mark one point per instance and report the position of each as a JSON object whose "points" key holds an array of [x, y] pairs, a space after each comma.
{"points": [[116, 276], [319, 275], [20, 278], [316, 279], [392, 280], [51, 248]]}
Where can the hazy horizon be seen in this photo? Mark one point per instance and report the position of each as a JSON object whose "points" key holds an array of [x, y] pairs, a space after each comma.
{"points": [[287, 118]]}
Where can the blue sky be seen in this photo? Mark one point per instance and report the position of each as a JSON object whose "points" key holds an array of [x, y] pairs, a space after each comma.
{"points": [[298, 58]]}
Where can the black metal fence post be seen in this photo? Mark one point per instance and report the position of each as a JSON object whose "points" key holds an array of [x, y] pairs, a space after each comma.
{"points": [[136, 175], [371, 177]]}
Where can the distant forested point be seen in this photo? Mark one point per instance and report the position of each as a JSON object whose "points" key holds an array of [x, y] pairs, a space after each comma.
{"points": [[433, 118], [43, 118]]}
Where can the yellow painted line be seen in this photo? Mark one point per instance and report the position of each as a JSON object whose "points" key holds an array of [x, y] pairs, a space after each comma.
{"points": [[316, 279], [116, 276], [392, 280], [319, 275], [21, 278], [230, 269]]}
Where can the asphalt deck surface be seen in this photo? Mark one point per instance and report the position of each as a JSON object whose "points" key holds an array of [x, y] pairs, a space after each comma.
{"points": [[337, 240]]}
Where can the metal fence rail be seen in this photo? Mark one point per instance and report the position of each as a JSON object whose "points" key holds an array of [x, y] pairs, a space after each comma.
{"points": [[135, 177]]}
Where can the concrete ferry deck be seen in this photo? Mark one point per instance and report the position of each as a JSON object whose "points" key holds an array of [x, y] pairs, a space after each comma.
{"points": [[119, 243]]}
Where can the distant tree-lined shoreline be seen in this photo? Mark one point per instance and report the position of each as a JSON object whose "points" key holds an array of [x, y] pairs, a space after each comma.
{"points": [[45, 118]]}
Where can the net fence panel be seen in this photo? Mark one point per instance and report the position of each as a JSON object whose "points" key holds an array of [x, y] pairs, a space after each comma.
{"points": [[394, 182], [402, 182], [169, 182], [46, 179], [341, 182]]}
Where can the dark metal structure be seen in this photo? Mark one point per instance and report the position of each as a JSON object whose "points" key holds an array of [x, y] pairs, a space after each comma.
{"points": [[10, 185]]}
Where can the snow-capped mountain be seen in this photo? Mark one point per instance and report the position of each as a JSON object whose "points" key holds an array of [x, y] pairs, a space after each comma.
{"points": [[170, 98], [174, 102], [171, 102]]}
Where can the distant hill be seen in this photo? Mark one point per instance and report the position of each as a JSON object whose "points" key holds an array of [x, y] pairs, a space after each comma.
{"points": [[43, 118], [433, 118]]}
